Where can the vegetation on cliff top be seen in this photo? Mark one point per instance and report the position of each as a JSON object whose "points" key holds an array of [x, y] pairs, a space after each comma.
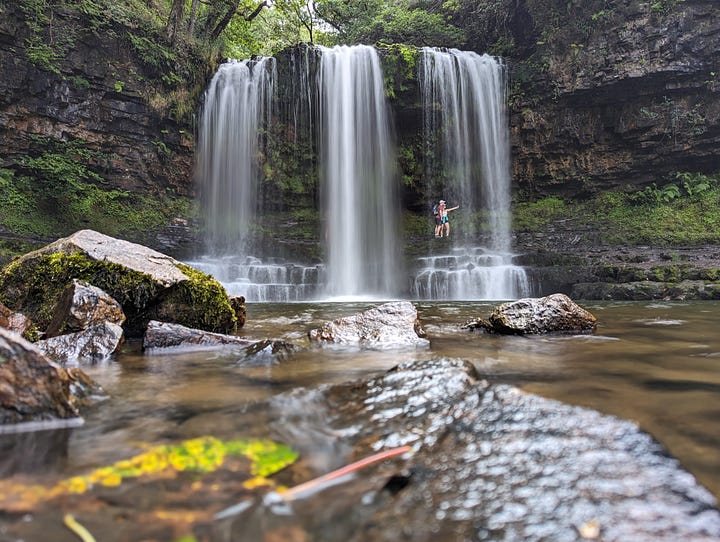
{"points": [[683, 211]]}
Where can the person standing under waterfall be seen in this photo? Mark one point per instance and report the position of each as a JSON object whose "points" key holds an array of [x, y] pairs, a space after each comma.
{"points": [[444, 219], [436, 218]]}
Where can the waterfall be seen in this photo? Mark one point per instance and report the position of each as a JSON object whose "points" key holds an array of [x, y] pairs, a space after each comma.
{"points": [[332, 106], [236, 113], [466, 134], [360, 204], [237, 104]]}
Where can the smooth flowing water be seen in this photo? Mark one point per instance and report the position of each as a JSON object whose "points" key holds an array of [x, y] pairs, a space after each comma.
{"points": [[335, 100], [464, 98], [358, 161], [655, 363], [237, 105]]}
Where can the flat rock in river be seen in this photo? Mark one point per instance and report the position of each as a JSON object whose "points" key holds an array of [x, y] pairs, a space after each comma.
{"points": [[389, 325]]}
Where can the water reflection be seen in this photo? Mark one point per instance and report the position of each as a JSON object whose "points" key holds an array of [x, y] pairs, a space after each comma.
{"points": [[656, 364]]}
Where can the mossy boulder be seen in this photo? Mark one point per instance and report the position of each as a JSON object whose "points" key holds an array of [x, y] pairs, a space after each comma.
{"points": [[148, 285]]}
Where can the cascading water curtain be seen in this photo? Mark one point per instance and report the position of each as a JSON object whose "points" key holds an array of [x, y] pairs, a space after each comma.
{"points": [[467, 163], [237, 104], [464, 96], [361, 211]]}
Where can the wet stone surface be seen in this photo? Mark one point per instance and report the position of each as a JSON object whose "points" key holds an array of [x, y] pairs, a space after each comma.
{"points": [[495, 463]]}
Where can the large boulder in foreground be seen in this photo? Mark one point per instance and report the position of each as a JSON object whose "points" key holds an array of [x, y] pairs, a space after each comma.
{"points": [[491, 462], [389, 325], [148, 285], [556, 313], [32, 388]]}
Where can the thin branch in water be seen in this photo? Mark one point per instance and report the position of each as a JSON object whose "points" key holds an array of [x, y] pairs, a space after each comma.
{"points": [[72, 524], [317, 483]]}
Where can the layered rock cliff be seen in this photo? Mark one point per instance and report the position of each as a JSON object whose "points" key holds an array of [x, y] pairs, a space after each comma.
{"points": [[82, 98], [634, 98], [603, 94]]}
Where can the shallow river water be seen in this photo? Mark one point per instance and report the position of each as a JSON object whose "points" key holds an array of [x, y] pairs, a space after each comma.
{"points": [[657, 364]]}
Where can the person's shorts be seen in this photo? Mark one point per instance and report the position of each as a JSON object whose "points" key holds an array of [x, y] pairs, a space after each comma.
{"points": [[438, 220], [445, 220]]}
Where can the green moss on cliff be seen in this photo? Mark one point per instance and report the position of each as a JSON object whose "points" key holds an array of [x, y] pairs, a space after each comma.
{"points": [[681, 213], [59, 194], [400, 68]]}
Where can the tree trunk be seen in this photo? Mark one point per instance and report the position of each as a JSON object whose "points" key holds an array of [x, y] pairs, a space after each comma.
{"points": [[193, 15], [222, 25], [177, 14]]}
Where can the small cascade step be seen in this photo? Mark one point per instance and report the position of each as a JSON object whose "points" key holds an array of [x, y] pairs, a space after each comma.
{"points": [[258, 281], [469, 274]]}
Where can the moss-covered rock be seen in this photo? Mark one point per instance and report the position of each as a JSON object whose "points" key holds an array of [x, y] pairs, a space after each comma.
{"points": [[148, 284]]}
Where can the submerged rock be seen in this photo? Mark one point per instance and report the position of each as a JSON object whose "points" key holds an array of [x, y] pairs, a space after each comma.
{"points": [[161, 335], [92, 344], [33, 388], [556, 313], [491, 463], [267, 351], [391, 324], [168, 335], [147, 284]]}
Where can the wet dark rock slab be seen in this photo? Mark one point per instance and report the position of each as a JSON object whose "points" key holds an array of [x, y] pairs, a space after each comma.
{"points": [[388, 325], [163, 336], [160, 335], [495, 463]]}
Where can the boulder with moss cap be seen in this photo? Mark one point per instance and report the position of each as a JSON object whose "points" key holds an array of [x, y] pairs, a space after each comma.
{"points": [[148, 285]]}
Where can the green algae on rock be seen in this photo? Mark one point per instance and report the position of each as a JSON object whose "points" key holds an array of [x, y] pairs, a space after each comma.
{"points": [[148, 284]]}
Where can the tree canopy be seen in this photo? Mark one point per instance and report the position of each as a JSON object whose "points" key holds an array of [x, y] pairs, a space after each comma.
{"points": [[253, 27]]}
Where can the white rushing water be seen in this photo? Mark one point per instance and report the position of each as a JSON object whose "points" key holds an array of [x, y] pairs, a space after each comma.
{"points": [[237, 104], [335, 100], [464, 103], [360, 204]]}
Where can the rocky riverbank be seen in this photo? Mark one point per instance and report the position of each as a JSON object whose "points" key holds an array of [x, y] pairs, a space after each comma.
{"points": [[564, 260]]}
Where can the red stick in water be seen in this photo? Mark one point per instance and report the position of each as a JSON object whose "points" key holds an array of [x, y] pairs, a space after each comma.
{"points": [[347, 469]]}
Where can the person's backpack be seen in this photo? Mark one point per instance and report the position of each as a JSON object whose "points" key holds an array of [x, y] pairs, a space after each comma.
{"points": [[435, 210]]}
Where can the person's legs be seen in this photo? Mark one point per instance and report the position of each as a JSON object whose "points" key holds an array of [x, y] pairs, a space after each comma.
{"points": [[447, 229]]}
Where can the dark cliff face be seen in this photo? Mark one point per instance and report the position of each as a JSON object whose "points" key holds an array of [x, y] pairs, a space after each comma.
{"points": [[98, 93], [637, 99]]}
